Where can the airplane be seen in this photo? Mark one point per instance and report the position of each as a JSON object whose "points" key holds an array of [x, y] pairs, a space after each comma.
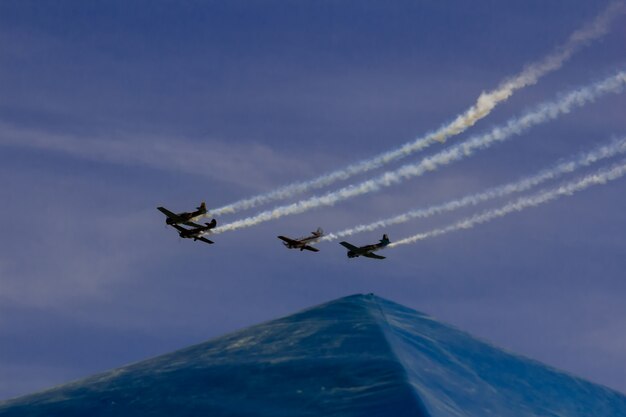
{"points": [[366, 251], [197, 233], [184, 218], [303, 242]]}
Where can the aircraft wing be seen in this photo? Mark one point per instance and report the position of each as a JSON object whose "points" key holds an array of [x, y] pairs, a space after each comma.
{"points": [[179, 228], [288, 240], [349, 246], [373, 256], [311, 248], [205, 240], [192, 224], [168, 213]]}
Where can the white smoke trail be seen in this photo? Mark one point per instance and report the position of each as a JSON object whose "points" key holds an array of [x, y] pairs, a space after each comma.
{"points": [[583, 160], [485, 103], [602, 176], [541, 114]]}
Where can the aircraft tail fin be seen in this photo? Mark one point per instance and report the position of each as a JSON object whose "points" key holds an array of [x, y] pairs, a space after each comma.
{"points": [[202, 207], [212, 224], [319, 232], [385, 240]]}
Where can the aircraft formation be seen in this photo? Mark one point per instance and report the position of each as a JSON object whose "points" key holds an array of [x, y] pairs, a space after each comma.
{"points": [[187, 227], [197, 232]]}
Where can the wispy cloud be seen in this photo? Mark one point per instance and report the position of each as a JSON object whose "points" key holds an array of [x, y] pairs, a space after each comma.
{"points": [[248, 165], [73, 259]]}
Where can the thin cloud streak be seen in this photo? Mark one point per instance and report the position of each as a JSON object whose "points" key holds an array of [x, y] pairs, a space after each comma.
{"points": [[210, 158]]}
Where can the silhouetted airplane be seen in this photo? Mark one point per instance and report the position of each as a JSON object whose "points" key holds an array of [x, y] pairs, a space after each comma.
{"points": [[184, 218], [196, 233], [354, 252], [303, 242]]}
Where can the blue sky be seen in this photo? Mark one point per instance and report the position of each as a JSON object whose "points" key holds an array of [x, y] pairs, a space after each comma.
{"points": [[109, 109]]}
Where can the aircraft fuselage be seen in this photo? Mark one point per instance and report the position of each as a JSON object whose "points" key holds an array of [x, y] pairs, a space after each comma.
{"points": [[192, 233], [367, 251], [183, 217], [301, 243], [363, 250]]}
